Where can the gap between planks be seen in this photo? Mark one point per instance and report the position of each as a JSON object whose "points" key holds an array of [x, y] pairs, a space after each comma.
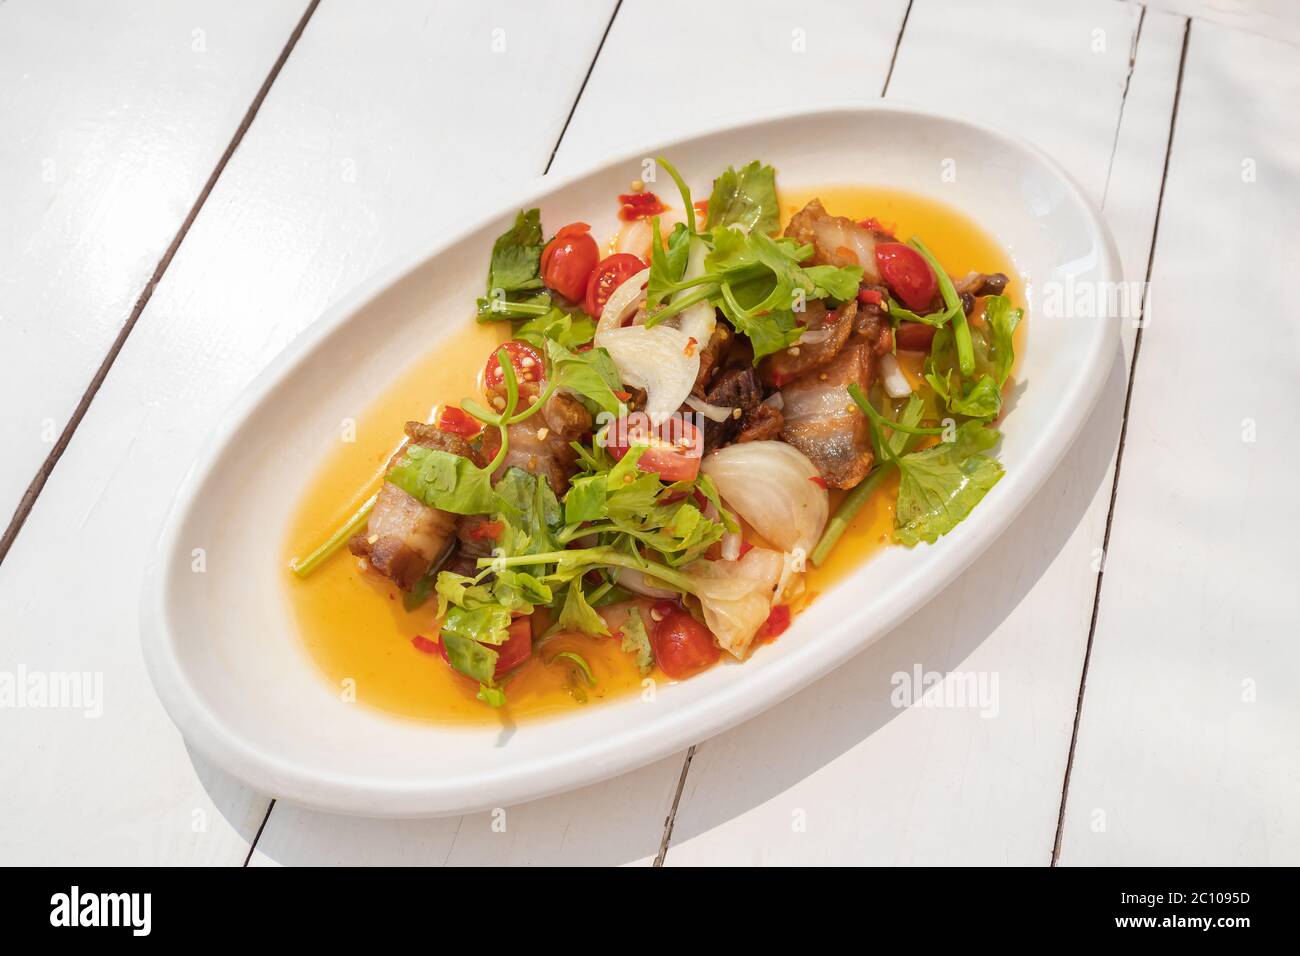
{"points": [[28, 500], [1123, 432]]}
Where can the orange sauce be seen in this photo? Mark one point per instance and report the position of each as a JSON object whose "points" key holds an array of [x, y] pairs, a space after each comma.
{"points": [[354, 625]]}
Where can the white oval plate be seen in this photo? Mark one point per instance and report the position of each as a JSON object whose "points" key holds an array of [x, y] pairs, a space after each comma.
{"points": [[222, 647]]}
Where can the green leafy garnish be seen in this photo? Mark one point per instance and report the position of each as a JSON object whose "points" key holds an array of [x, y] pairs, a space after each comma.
{"points": [[567, 329], [577, 614], [444, 481], [579, 662], [746, 198], [977, 394], [515, 268], [637, 641], [939, 486]]}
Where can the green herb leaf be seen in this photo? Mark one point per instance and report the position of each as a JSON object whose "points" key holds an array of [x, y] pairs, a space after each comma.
{"points": [[470, 658], [492, 696], [445, 481], [579, 662], [745, 197], [569, 329], [517, 255], [488, 624], [591, 375], [637, 641], [577, 614], [940, 486]]}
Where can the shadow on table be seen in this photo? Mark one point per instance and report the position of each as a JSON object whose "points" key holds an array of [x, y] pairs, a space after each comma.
{"points": [[621, 820], [768, 755]]}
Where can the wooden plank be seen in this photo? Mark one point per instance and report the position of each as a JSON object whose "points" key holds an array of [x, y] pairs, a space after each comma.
{"points": [[840, 775], [1189, 741], [115, 116], [1279, 19], [622, 820], [350, 161]]}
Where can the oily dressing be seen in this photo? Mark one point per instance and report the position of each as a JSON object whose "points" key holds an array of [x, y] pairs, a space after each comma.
{"points": [[354, 625]]}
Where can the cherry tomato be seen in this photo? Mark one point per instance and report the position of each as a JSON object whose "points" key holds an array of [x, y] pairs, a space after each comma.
{"points": [[674, 448], [609, 275], [524, 359], [456, 421], [569, 259], [907, 274], [682, 645], [775, 624], [517, 648], [634, 206], [914, 336]]}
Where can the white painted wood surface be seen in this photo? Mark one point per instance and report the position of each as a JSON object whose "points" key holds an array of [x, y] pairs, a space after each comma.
{"points": [[350, 162], [1189, 741], [115, 115], [839, 773]]}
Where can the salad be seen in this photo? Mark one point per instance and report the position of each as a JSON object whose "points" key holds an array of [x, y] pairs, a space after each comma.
{"points": [[676, 430]]}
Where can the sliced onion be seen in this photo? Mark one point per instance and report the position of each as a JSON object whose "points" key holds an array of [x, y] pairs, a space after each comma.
{"points": [[730, 545], [771, 485], [736, 596], [657, 359], [714, 413], [816, 336], [621, 300], [638, 583], [635, 238], [698, 321], [892, 377], [776, 400]]}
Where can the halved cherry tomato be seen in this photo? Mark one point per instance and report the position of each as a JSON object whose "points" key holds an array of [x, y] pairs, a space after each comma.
{"points": [[569, 259], [775, 625], [914, 336], [682, 645], [516, 649], [456, 421], [674, 447], [639, 206], [609, 275], [524, 359], [907, 274]]}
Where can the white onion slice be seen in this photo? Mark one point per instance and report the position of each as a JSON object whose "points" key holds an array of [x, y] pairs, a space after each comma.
{"points": [[635, 238], [892, 377], [657, 359], [714, 413], [638, 583], [623, 298], [699, 320], [776, 400], [771, 485], [730, 545]]}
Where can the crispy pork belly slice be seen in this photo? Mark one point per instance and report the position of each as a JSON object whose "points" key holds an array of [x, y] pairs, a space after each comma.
{"points": [[540, 444], [822, 421], [712, 357], [738, 388], [404, 536], [825, 333], [836, 240]]}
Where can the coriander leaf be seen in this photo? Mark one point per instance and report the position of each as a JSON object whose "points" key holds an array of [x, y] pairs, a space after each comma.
{"points": [[517, 255], [536, 512], [585, 500], [470, 657], [666, 265], [939, 486], [1002, 320], [569, 329], [488, 624], [840, 284], [591, 375], [444, 481], [577, 615], [637, 641], [579, 662], [745, 197]]}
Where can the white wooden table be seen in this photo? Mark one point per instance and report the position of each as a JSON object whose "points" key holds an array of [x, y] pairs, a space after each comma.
{"points": [[186, 184]]}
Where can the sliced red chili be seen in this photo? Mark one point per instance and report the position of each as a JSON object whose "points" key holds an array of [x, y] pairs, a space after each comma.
{"points": [[639, 206], [456, 421]]}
